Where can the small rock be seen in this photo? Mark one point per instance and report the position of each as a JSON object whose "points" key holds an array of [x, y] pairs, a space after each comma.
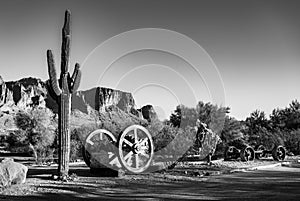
{"points": [[121, 173], [54, 177]]}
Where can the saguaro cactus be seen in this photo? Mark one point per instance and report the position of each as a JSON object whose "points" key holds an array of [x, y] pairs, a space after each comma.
{"points": [[61, 90]]}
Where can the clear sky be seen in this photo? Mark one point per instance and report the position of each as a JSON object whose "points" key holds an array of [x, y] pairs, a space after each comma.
{"points": [[255, 46]]}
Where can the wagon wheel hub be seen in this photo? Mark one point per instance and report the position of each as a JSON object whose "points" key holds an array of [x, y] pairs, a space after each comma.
{"points": [[139, 148], [136, 148]]}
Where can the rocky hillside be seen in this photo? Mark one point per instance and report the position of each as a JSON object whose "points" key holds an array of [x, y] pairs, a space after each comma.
{"points": [[30, 92], [87, 105]]}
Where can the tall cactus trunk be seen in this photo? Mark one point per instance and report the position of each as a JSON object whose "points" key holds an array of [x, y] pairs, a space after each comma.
{"points": [[64, 129], [62, 94]]}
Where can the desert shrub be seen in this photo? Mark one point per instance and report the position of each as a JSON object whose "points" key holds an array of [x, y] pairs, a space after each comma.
{"points": [[36, 131], [78, 136]]}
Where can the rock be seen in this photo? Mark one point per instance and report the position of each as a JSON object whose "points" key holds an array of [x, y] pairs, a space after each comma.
{"points": [[54, 177], [2, 91], [121, 173], [12, 173], [26, 93], [99, 98], [29, 92], [148, 113]]}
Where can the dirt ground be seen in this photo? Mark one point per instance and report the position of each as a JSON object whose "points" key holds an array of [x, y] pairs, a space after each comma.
{"points": [[187, 181]]}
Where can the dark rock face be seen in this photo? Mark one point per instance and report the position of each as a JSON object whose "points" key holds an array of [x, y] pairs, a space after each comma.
{"points": [[12, 173], [148, 113], [24, 93], [99, 98], [2, 91], [32, 92]]}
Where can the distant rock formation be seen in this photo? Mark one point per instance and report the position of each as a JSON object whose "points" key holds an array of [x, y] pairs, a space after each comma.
{"points": [[99, 98], [31, 92], [24, 93], [148, 113], [2, 91], [91, 104]]}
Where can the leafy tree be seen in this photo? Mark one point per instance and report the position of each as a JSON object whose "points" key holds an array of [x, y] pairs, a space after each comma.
{"points": [[292, 141], [286, 123], [175, 117], [233, 130], [208, 113], [35, 130], [212, 115], [262, 131]]}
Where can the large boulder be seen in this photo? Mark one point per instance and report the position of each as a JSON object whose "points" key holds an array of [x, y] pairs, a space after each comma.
{"points": [[12, 173]]}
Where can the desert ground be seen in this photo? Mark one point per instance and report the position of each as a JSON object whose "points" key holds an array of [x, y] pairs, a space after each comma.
{"points": [[258, 180]]}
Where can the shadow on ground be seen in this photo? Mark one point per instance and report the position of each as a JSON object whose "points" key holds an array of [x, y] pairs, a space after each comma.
{"points": [[258, 185]]}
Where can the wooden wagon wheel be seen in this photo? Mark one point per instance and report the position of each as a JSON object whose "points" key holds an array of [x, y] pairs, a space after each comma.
{"points": [[279, 153], [247, 154], [136, 148], [230, 153], [100, 146], [261, 151]]}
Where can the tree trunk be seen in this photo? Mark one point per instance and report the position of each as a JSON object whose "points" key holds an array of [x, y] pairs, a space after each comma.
{"points": [[34, 152]]}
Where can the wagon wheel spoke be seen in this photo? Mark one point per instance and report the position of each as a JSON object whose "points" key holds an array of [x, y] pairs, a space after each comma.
{"points": [[137, 161], [247, 155], [128, 156], [127, 142], [136, 140], [280, 153]]}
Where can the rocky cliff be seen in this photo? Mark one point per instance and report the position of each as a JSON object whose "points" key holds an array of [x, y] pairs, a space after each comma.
{"points": [[99, 98], [24, 93], [32, 92]]}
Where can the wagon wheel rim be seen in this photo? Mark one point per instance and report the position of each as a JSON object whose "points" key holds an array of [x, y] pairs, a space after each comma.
{"points": [[229, 152], [280, 153], [89, 142], [261, 148], [248, 153], [136, 148]]}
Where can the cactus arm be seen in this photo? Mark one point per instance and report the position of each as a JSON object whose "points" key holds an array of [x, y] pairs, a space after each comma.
{"points": [[65, 48], [52, 73], [77, 66], [76, 77], [50, 91]]}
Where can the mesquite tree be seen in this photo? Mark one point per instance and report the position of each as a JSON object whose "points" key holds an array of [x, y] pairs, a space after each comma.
{"points": [[61, 91]]}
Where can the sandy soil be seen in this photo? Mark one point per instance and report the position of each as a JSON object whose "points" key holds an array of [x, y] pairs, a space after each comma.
{"points": [[40, 185]]}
